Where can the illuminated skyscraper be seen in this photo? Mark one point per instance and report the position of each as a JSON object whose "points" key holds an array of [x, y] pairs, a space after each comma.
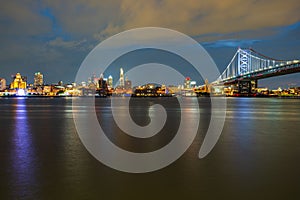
{"points": [[95, 79], [122, 82], [38, 79], [127, 84], [2, 84], [101, 76], [187, 83], [110, 82], [19, 82]]}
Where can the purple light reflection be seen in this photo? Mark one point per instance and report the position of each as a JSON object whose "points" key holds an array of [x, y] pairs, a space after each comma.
{"points": [[23, 154]]}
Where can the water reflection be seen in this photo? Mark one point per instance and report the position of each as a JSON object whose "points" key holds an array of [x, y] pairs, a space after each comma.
{"points": [[43, 158], [23, 158]]}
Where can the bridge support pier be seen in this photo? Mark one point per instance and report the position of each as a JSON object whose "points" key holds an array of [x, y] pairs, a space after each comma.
{"points": [[247, 87]]}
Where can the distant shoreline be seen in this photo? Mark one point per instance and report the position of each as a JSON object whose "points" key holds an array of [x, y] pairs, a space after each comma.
{"points": [[52, 97]]}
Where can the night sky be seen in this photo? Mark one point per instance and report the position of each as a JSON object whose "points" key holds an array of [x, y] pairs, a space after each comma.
{"points": [[54, 37]]}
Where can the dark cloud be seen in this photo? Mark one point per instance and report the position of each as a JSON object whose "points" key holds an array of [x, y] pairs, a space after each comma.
{"points": [[231, 43], [54, 36]]}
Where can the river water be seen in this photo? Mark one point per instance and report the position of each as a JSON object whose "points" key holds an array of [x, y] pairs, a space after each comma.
{"points": [[256, 157]]}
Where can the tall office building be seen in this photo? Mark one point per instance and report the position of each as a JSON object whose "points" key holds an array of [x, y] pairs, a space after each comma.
{"points": [[187, 83], [102, 83], [2, 84], [95, 79], [122, 82], [101, 76], [110, 82], [103, 90], [127, 84], [19, 82], [38, 79]]}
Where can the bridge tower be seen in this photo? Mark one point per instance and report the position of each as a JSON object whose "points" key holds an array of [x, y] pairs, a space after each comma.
{"points": [[245, 86], [244, 61]]}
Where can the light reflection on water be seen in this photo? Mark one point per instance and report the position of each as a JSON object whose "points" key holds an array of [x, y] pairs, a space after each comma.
{"points": [[257, 155], [23, 153]]}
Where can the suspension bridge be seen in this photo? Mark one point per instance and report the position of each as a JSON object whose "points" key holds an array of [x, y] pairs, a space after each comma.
{"points": [[247, 66]]}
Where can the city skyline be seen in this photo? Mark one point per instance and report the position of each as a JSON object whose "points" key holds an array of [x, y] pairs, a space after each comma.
{"points": [[38, 80], [122, 80], [42, 36]]}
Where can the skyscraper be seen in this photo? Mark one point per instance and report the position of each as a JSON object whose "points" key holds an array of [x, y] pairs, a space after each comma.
{"points": [[102, 83], [127, 84], [103, 90], [110, 82], [38, 79], [2, 84], [187, 83], [122, 82], [95, 79]]}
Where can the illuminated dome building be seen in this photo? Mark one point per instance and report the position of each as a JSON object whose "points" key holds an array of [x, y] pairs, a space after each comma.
{"points": [[19, 82]]}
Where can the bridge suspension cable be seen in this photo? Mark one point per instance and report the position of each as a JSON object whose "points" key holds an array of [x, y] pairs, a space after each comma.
{"points": [[262, 55], [247, 62]]}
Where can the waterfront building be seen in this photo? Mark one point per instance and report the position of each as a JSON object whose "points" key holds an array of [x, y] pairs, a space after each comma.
{"points": [[205, 90], [176, 90], [47, 89], [151, 90], [19, 82], [2, 84], [122, 82], [38, 79]]}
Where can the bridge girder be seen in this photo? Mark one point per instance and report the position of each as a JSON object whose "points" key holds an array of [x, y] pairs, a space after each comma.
{"points": [[267, 73]]}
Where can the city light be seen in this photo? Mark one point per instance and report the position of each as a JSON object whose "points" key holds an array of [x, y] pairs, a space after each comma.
{"points": [[21, 92], [234, 81]]}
